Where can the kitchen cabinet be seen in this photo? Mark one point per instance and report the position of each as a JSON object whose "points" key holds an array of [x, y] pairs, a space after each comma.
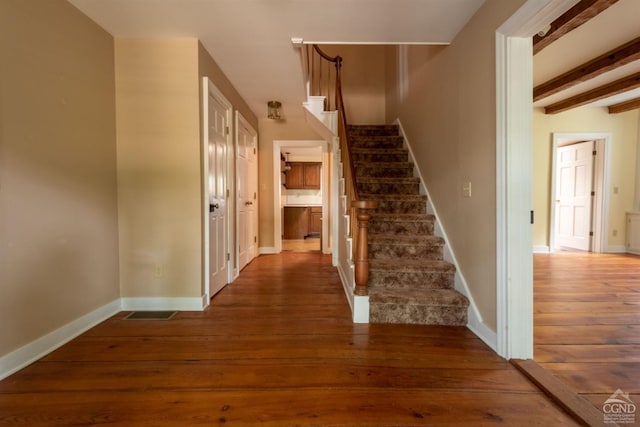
{"points": [[315, 221], [301, 222], [296, 222], [303, 175]]}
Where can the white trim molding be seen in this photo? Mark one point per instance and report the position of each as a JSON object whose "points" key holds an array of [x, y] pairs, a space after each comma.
{"points": [[29, 353], [514, 143]]}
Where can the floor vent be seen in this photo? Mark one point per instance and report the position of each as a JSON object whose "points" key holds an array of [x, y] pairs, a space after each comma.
{"points": [[150, 315]]}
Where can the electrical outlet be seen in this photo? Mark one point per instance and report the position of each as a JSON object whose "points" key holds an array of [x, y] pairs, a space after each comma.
{"points": [[158, 270], [614, 233], [466, 189]]}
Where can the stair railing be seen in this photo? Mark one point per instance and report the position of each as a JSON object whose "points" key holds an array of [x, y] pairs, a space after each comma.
{"points": [[327, 82]]}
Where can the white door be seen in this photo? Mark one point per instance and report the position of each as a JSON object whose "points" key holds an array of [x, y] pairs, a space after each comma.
{"points": [[247, 167], [218, 217], [574, 178]]}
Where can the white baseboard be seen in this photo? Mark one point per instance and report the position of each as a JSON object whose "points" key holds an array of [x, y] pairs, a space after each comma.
{"points": [[44, 345], [616, 249], [541, 249], [345, 285], [161, 303], [360, 309], [267, 250], [483, 332]]}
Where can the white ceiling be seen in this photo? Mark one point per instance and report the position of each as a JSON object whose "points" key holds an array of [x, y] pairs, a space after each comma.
{"points": [[251, 39], [613, 27]]}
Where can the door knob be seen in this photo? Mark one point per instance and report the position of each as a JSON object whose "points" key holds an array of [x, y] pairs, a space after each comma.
{"points": [[248, 203], [213, 207]]}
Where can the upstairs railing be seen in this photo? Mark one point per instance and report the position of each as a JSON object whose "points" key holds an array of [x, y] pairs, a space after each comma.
{"points": [[325, 79]]}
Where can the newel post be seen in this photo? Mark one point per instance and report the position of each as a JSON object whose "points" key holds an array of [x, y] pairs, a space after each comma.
{"points": [[361, 256]]}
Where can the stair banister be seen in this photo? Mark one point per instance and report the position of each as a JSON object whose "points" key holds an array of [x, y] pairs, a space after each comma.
{"points": [[320, 83]]}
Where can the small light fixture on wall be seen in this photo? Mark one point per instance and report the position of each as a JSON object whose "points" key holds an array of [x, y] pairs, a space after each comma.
{"points": [[273, 110]]}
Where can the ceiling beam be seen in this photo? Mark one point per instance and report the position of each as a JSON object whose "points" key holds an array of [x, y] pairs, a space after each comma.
{"points": [[613, 59], [570, 20], [621, 107], [614, 88]]}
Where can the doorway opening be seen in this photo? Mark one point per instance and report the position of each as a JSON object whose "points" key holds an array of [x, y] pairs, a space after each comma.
{"points": [[579, 192], [300, 209]]}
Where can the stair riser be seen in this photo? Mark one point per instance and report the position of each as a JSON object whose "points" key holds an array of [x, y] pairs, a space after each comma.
{"points": [[380, 157], [388, 188], [401, 206], [417, 314], [389, 130], [412, 252], [384, 172], [417, 280], [406, 228]]}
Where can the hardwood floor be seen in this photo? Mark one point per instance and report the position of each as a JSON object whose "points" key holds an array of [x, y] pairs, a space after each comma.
{"points": [[277, 347], [587, 322], [310, 244]]}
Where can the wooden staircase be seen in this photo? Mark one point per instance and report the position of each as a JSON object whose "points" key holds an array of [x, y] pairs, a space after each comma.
{"points": [[409, 281]]}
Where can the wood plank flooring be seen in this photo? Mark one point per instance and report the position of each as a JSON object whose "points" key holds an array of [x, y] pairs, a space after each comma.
{"points": [[587, 322], [277, 348]]}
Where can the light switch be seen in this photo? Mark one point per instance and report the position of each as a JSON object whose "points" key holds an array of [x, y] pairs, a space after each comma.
{"points": [[466, 189]]}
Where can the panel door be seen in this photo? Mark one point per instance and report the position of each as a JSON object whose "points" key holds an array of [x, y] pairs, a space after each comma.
{"points": [[247, 168], [218, 217], [574, 178]]}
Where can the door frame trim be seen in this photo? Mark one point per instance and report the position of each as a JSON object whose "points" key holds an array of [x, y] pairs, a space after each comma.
{"points": [[600, 185], [209, 88], [514, 145]]}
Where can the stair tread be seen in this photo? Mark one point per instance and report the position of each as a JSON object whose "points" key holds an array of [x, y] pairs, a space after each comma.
{"points": [[374, 137], [410, 265], [410, 197], [402, 217], [445, 297], [408, 165], [393, 179], [399, 239], [373, 150]]}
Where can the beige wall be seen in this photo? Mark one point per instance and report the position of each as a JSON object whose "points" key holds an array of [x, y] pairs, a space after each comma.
{"points": [[208, 67], [448, 113], [624, 136], [270, 130], [363, 81], [159, 180], [58, 211]]}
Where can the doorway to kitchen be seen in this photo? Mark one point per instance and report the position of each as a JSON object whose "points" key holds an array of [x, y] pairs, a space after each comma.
{"points": [[301, 194]]}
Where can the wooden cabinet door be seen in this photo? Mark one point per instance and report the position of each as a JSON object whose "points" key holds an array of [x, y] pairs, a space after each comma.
{"points": [[295, 176], [296, 222], [303, 176], [312, 175], [315, 221]]}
